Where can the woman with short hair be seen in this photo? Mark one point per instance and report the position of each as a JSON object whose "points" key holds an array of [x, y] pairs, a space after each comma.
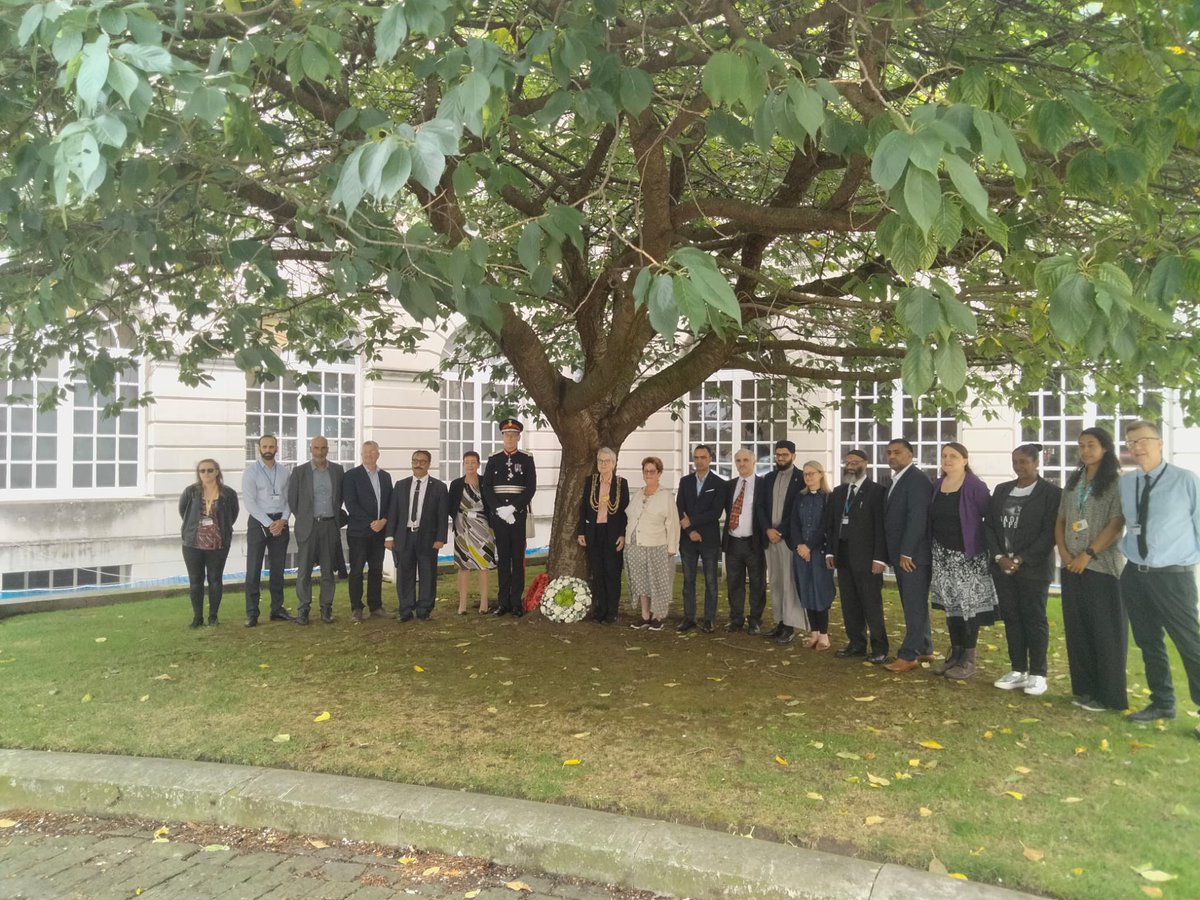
{"points": [[208, 509], [474, 543], [651, 544], [601, 531]]}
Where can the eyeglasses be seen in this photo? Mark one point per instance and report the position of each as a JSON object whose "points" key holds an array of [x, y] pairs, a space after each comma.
{"points": [[1137, 442], [207, 471]]}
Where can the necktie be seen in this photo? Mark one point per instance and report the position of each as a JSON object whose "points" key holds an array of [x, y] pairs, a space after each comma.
{"points": [[735, 514], [1143, 511], [850, 499], [416, 500]]}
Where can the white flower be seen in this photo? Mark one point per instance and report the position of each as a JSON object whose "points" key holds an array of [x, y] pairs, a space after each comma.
{"points": [[566, 599]]}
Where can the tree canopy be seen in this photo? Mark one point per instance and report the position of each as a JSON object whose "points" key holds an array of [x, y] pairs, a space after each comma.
{"points": [[620, 198]]}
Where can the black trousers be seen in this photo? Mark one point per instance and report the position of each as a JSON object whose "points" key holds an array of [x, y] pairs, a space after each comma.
{"points": [[366, 550], [1161, 602], [862, 609], [202, 564], [1097, 633], [510, 562], [742, 561], [260, 543], [1023, 608], [605, 564], [914, 597], [963, 633], [415, 565]]}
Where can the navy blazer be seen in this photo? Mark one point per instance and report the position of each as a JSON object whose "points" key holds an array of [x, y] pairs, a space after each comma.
{"points": [[906, 518], [1034, 540], [435, 514], [359, 497], [703, 510], [762, 511], [863, 534], [758, 537]]}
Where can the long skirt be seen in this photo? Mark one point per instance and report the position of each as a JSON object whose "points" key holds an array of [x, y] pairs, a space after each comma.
{"points": [[651, 574], [962, 586]]}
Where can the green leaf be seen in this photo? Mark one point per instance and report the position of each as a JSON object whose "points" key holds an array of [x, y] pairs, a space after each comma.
{"points": [[664, 312], [314, 62], [916, 371], [1097, 118], [1087, 174], [1051, 123], [957, 314], [922, 197], [93, 71], [641, 286], [1112, 278], [909, 248], [67, 43], [891, 156], [150, 59], [972, 86], [109, 130], [529, 247], [349, 190], [948, 225], [711, 285], [1166, 280], [395, 172], [919, 310], [122, 79], [390, 33], [725, 78], [806, 107], [206, 103], [950, 363], [1128, 165], [1072, 308], [1050, 272], [29, 23], [966, 182], [636, 91], [428, 160]]}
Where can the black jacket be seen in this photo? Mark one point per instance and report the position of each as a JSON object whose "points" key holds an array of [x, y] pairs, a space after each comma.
{"points": [[191, 505], [618, 493], [703, 510], [1034, 538], [863, 534]]}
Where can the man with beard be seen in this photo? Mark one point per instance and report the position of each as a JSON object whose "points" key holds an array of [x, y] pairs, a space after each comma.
{"points": [[856, 548], [779, 490], [906, 532], [264, 495]]}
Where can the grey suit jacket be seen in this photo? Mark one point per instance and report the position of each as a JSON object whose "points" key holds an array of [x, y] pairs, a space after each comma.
{"points": [[300, 496], [906, 518]]}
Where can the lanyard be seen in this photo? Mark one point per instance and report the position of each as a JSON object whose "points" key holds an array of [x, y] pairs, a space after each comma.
{"points": [[849, 499], [1081, 495], [273, 474]]}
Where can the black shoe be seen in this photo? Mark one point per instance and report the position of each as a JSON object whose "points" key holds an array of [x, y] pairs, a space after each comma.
{"points": [[517, 613], [654, 625], [251, 621], [877, 659], [301, 619], [1151, 714], [685, 626], [639, 624], [197, 623], [733, 626], [423, 617], [707, 626], [327, 617], [343, 574], [282, 616], [849, 652], [753, 628], [786, 636], [776, 631], [611, 621], [212, 621], [499, 611], [404, 617]]}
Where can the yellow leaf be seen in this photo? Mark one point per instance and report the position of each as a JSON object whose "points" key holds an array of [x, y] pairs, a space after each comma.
{"points": [[1139, 745], [160, 836], [866, 699], [86, 698], [987, 735], [959, 875], [319, 845], [977, 851], [281, 738], [932, 745], [101, 640], [1072, 799], [816, 745], [263, 666], [7, 823], [1016, 795], [1077, 871], [407, 860], [1151, 891], [815, 243], [671, 684], [992, 648], [875, 779], [714, 678], [876, 334], [781, 760], [1030, 721], [1024, 770], [1079, 751], [143, 698], [470, 895], [1156, 875], [461, 644], [1034, 855], [431, 871], [813, 795], [925, 812], [582, 734], [418, 669], [873, 820], [164, 677], [518, 886], [913, 763], [323, 717], [571, 762], [1104, 748]]}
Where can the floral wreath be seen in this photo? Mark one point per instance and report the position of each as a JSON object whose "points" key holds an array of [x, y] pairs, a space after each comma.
{"points": [[566, 599]]}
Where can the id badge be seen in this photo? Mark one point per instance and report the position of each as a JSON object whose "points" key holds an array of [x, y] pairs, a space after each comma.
{"points": [[1135, 529], [845, 520], [275, 495], [205, 521], [1080, 525]]}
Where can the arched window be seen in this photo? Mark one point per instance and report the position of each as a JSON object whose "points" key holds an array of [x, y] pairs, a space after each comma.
{"points": [[468, 407]]}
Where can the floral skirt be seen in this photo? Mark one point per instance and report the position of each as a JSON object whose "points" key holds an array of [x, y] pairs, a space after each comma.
{"points": [[962, 586]]}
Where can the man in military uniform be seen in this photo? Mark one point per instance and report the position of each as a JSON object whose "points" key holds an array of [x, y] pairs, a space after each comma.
{"points": [[509, 483]]}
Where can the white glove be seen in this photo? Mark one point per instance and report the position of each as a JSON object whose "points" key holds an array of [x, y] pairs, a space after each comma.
{"points": [[508, 514]]}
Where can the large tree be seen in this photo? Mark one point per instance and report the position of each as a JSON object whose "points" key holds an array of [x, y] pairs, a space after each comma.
{"points": [[620, 198]]}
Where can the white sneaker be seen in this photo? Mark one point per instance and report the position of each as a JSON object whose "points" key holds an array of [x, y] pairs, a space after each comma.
{"points": [[1012, 681], [1035, 686]]}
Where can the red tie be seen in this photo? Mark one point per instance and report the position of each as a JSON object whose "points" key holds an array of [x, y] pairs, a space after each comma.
{"points": [[735, 514]]}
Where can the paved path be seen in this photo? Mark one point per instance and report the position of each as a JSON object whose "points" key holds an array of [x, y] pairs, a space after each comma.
{"points": [[45, 857]]}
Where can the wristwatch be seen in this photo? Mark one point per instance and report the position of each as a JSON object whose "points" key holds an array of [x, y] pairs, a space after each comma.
{"points": [[1090, 552]]}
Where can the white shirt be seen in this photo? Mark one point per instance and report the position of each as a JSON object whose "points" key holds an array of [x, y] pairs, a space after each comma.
{"points": [[896, 478], [414, 521], [745, 526]]}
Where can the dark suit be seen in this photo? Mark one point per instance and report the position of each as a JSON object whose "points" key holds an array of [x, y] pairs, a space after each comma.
{"points": [[413, 551], [605, 561], [703, 509], [366, 546], [906, 533], [315, 538], [745, 557], [1023, 594], [854, 541]]}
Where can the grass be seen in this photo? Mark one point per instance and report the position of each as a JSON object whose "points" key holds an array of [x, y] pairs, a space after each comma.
{"points": [[690, 729]]}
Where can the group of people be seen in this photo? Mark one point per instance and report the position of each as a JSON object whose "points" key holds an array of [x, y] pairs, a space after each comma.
{"points": [[977, 555]]}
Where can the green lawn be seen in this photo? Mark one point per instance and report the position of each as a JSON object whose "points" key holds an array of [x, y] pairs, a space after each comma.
{"points": [[733, 733]]}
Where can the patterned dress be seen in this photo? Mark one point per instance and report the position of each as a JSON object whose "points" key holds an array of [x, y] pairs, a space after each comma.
{"points": [[474, 543]]}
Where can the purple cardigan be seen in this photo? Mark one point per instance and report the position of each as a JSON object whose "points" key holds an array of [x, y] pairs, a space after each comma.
{"points": [[972, 506]]}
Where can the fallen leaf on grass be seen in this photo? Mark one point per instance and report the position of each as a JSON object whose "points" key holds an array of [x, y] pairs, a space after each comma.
{"points": [[264, 666], [501, 659], [846, 754], [1079, 751], [143, 698], [1030, 721], [1104, 748], [816, 745], [281, 738], [783, 696], [160, 836], [582, 734], [518, 886], [781, 760], [431, 871], [937, 867], [86, 698], [876, 780], [418, 669], [978, 851], [714, 678], [1077, 871], [461, 644], [1151, 891], [811, 795], [407, 860], [7, 823], [987, 735], [101, 640], [470, 895], [316, 844], [323, 717], [873, 820], [959, 875], [1180, 810], [671, 684], [1024, 770], [1136, 745], [913, 763], [164, 677], [536, 705], [1016, 795], [571, 762], [925, 812], [216, 848], [866, 699], [1153, 874], [931, 745], [1072, 799], [1034, 855]]}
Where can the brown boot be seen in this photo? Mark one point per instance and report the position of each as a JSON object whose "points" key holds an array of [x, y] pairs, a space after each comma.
{"points": [[950, 660], [964, 668]]}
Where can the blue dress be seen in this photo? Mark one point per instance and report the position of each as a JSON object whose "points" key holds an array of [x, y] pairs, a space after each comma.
{"points": [[814, 582]]}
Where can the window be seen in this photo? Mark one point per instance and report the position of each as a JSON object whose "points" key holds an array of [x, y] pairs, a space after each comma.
{"points": [[871, 414], [275, 407], [468, 407], [1055, 417], [737, 409], [44, 580], [75, 447]]}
